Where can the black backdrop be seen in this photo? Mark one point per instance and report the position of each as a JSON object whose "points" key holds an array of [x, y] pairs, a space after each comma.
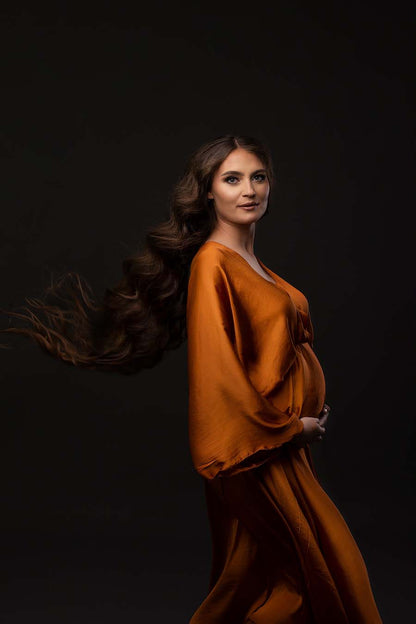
{"points": [[103, 517]]}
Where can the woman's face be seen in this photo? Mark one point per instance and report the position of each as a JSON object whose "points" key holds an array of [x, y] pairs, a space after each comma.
{"points": [[240, 179]]}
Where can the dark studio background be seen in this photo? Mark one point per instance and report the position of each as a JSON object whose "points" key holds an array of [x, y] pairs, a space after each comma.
{"points": [[103, 516]]}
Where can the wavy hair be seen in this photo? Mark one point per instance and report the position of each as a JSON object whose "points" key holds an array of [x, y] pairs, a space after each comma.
{"points": [[145, 313]]}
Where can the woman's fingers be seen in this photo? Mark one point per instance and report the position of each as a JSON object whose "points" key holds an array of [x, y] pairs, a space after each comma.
{"points": [[323, 419], [324, 414], [326, 409], [319, 428]]}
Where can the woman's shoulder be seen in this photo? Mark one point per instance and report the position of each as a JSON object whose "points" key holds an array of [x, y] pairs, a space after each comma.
{"points": [[209, 258]]}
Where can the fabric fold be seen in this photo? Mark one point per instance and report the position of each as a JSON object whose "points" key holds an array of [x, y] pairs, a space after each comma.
{"points": [[232, 426]]}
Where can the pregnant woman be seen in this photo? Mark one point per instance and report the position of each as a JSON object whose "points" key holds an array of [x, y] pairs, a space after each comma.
{"points": [[282, 552]]}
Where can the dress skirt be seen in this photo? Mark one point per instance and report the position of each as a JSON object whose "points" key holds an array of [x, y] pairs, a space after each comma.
{"points": [[282, 552]]}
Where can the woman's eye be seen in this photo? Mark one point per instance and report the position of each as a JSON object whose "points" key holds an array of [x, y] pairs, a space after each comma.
{"points": [[259, 177]]}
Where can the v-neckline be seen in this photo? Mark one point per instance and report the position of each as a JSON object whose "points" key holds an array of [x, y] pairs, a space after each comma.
{"points": [[274, 283]]}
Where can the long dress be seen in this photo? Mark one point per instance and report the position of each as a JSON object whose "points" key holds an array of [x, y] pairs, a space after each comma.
{"points": [[282, 552]]}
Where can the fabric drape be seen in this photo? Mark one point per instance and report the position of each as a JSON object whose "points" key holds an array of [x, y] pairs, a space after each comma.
{"points": [[282, 552]]}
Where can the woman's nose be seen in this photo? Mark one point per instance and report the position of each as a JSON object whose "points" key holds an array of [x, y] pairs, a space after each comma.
{"points": [[249, 190]]}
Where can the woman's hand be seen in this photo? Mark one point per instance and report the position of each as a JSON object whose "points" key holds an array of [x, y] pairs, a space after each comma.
{"points": [[313, 428]]}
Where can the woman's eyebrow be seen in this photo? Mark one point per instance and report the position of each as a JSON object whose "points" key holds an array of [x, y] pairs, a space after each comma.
{"points": [[239, 172]]}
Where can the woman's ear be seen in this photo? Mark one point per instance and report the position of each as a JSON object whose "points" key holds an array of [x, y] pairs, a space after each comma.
{"points": [[210, 196]]}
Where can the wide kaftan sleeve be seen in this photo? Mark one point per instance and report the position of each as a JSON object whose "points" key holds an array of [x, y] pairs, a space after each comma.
{"points": [[232, 426]]}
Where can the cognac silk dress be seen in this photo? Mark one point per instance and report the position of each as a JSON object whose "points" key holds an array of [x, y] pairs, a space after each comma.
{"points": [[282, 552]]}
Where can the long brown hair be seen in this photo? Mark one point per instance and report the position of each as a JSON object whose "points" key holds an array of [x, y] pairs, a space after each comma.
{"points": [[144, 314]]}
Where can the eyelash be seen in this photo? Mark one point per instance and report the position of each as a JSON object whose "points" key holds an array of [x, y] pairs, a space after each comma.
{"points": [[261, 175]]}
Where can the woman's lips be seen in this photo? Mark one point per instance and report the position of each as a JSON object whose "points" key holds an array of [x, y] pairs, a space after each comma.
{"points": [[249, 206]]}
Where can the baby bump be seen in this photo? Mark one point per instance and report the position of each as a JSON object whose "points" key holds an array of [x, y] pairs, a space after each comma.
{"points": [[309, 380]]}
